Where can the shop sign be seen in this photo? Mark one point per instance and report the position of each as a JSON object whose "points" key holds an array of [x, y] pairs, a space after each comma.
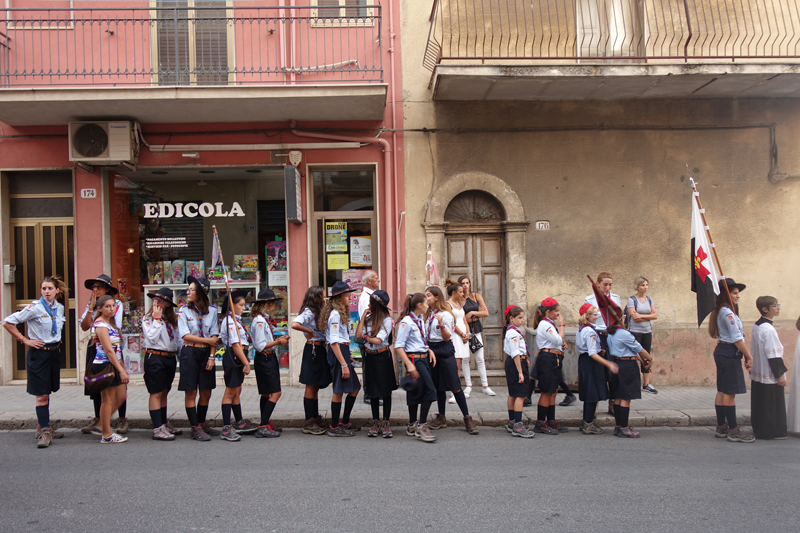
{"points": [[294, 194], [191, 210]]}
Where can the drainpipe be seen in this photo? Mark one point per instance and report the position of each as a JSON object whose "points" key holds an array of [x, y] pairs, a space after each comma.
{"points": [[392, 89], [387, 187]]}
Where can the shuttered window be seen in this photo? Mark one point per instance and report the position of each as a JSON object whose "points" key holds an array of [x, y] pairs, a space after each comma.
{"points": [[355, 12]]}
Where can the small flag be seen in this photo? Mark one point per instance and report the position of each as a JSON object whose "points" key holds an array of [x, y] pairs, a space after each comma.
{"points": [[609, 310], [433, 270], [705, 280], [216, 253]]}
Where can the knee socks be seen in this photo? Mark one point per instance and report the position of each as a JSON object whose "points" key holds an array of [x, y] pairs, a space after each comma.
{"points": [[461, 400], [97, 403], [349, 402], [237, 411], [551, 412], [155, 417], [541, 413], [387, 407], [517, 417], [424, 408], [163, 411], [616, 414], [202, 411], [412, 414], [123, 409], [336, 411], [511, 414], [267, 407], [624, 412], [441, 401], [589, 409], [191, 414], [43, 415], [226, 414], [720, 414], [308, 408], [375, 403], [730, 414]]}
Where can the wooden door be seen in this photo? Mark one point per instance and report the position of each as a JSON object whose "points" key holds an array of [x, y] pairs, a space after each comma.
{"points": [[482, 257]]}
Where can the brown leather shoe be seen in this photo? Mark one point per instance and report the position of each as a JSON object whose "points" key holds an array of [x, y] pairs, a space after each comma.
{"points": [[438, 422], [312, 428], [470, 425]]}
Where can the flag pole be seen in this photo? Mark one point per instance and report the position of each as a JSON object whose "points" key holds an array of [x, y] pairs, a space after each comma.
{"points": [[710, 240], [607, 306], [227, 286]]}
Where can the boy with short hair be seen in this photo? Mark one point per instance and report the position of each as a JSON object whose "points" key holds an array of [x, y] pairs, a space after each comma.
{"points": [[768, 375]]}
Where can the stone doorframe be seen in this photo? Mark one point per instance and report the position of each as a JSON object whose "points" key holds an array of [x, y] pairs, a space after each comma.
{"points": [[515, 226]]}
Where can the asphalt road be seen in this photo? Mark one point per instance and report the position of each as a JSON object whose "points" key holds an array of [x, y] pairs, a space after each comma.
{"points": [[671, 479]]}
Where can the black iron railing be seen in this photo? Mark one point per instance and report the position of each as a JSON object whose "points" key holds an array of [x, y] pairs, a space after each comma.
{"points": [[613, 30], [198, 45]]}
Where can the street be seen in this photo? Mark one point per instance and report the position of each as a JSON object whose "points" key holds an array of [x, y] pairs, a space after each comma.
{"points": [[670, 479]]}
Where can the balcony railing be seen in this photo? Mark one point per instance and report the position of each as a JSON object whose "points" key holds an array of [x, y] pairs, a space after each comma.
{"points": [[191, 46], [613, 30]]}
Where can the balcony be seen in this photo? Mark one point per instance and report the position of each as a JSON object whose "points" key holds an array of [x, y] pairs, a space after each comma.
{"points": [[613, 49], [192, 61]]}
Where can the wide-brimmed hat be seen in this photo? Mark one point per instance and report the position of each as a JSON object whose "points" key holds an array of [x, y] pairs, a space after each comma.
{"points": [[267, 295], [340, 287], [234, 294], [89, 284], [202, 282], [165, 294], [732, 284], [585, 307], [409, 384], [381, 298]]}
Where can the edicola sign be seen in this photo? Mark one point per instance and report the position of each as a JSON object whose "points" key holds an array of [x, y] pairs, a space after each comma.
{"points": [[191, 210]]}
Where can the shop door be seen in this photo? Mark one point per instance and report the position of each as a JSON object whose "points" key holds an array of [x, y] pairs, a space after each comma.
{"points": [[40, 248], [481, 257]]}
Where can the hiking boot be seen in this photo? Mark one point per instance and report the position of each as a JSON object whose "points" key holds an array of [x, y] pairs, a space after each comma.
{"points": [[115, 438], [161, 433], [590, 429], [627, 432], [312, 428], [541, 427], [520, 430], [199, 434], [386, 430], [45, 438], [375, 429], [171, 430], [722, 431], [243, 427], [273, 428], [568, 400], [438, 422], [411, 429], [510, 425], [266, 432], [211, 432], [340, 431], [121, 426], [649, 388], [321, 422], [737, 435], [555, 425], [229, 434], [55, 434], [352, 426], [616, 431], [470, 425], [93, 423], [424, 433]]}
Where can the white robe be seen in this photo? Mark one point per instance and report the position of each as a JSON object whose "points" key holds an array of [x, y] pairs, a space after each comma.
{"points": [[793, 407]]}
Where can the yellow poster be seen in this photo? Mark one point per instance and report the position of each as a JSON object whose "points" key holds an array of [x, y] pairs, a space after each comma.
{"points": [[338, 261]]}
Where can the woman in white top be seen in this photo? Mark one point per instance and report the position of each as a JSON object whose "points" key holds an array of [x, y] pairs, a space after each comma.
{"points": [[107, 341], [460, 338]]}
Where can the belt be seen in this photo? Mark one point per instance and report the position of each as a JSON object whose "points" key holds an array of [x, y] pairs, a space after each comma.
{"points": [[417, 355], [548, 350], [625, 358], [267, 352], [159, 352], [196, 345], [373, 352], [51, 347], [316, 343], [524, 357], [724, 342]]}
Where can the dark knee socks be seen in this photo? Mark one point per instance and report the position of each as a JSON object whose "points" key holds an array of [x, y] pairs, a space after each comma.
{"points": [[551, 412], [202, 411], [191, 414], [541, 413], [98, 401], [226, 414], [589, 409], [308, 408], [155, 417], [511, 414], [730, 414], [163, 411], [412, 414], [624, 413], [461, 400], [517, 417], [441, 401], [375, 404], [720, 414], [336, 411], [43, 415], [123, 409], [349, 402], [237, 411], [424, 408], [267, 407], [387, 407]]}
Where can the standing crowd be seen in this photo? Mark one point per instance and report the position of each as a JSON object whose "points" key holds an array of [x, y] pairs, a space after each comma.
{"points": [[434, 339]]}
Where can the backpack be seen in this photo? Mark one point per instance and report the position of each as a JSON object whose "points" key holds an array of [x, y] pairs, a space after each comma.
{"points": [[627, 317]]}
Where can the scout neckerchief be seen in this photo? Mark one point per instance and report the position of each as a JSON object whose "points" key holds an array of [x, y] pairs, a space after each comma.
{"points": [[431, 320], [587, 326], [269, 325], [510, 326], [52, 312], [418, 322], [199, 319], [169, 330], [239, 324]]}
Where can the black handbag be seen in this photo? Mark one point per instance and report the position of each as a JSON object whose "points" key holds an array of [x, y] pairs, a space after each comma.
{"points": [[474, 343]]}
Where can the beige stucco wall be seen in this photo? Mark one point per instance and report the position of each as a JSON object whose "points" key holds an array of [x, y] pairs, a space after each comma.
{"points": [[618, 199]]}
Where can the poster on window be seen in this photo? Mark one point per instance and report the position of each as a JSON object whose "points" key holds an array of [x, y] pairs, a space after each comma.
{"points": [[353, 279], [336, 236], [360, 251]]}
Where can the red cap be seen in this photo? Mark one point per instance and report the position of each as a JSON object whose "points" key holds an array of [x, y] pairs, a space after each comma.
{"points": [[585, 307], [505, 314], [548, 302]]}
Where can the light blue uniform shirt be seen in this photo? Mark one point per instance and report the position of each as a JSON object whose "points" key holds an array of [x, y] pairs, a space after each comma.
{"points": [[261, 333], [382, 333], [409, 337], [307, 320], [623, 344], [587, 341], [160, 335], [228, 334], [337, 332], [730, 326], [40, 325], [600, 325], [434, 331], [189, 322]]}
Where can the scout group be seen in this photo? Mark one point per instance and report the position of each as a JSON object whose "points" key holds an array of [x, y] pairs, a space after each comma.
{"points": [[429, 333]]}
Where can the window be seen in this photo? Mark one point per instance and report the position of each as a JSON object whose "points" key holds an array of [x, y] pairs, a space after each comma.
{"points": [[344, 13]]}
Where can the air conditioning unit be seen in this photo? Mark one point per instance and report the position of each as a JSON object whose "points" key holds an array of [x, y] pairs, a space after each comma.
{"points": [[102, 143]]}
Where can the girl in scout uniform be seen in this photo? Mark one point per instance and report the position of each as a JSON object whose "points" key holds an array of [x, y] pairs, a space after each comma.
{"points": [[592, 386], [375, 328], [161, 345], [199, 330], [516, 367], [108, 349], [725, 326], [265, 363], [235, 363], [412, 347], [334, 320], [315, 373], [45, 319], [439, 328], [99, 286], [547, 367], [626, 384]]}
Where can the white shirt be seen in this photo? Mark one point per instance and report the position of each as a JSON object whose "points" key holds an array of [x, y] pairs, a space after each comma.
{"points": [[261, 333], [764, 345], [160, 335], [514, 343], [363, 300], [600, 325], [547, 337]]}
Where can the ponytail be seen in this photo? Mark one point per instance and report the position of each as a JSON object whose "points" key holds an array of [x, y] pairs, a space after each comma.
{"points": [[411, 302], [58, 283], [539, 315], [511, 313]]}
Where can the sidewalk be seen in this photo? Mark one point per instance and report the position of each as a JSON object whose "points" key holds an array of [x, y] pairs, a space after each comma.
{"points": [[672, 406]]}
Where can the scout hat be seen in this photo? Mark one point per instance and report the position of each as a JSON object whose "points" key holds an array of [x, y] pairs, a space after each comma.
{"points": [[163, 294], [234, 294], [200, 282], [548, 302], [732, 284], [409, 384], [509, 308], [267, 295], [340, 287], [585, 307], [89, 284], [381, 298]]}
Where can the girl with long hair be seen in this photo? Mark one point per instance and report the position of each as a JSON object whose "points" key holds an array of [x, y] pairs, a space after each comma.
{"points": [[315, 372], [268, 371], [626, 384], [516, 367], [108, 346], [547, 367], [235, 365], [592, 387], [460, 339]]}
